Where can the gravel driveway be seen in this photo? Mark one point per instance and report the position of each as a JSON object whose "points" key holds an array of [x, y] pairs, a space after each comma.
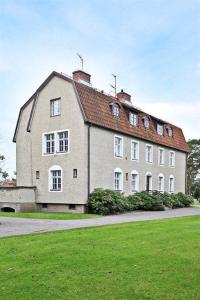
{"points": [[18, 226]]}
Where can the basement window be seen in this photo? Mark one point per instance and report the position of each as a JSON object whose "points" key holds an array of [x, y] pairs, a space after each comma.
{"points": [[72, 206], [44, 205], [75, 173]]}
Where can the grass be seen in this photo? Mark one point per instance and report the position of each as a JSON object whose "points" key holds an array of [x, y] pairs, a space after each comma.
{"points": [[143, 260], [45, 215]]}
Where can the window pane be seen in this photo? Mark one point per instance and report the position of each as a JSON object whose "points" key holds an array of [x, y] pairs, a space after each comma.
{"points": [[55, 107]]}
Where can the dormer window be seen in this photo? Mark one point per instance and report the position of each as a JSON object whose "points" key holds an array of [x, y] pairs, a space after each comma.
{"points": [[115, 110], [160, 129], [170, 131], [133, 119], [146, 122]]}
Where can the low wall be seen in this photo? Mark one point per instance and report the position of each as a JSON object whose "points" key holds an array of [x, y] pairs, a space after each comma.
{"points": [[18, 198]]}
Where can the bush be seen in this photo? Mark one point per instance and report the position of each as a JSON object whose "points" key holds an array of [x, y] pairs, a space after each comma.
{"points": [[151, 201], [106, 202], [185, 200]]}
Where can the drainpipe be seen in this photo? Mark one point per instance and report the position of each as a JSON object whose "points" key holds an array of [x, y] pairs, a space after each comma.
{"points": [[88, 161]]}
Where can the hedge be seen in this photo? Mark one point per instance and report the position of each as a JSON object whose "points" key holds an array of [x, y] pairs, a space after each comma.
{"points": [[107, 202]]}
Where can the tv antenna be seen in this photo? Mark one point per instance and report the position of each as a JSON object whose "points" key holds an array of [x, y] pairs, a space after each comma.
{"points": [[81, 59], [114, 86]]}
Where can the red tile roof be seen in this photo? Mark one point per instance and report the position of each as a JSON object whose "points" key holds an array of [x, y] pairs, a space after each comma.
{"points": [[98, 112]]}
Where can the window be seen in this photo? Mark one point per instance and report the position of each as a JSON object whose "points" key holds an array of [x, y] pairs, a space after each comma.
{"points": [[160, 183], [37, 174], [118, 180], [171, 183], [55, 179], [44, 205], [160, 129], [134, 181], [63, 141], [126, 176], [172, 159], [170, 131], [72, 206], [134, 150], [161, 157], [115, 110], [56, 142], [133, 119], [55, 107], [50, 143], [75, 173], [148, 182], [146, 122], [118, 146], [149, 153]]}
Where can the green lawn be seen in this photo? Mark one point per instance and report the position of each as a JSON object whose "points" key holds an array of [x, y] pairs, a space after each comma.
{"points": [[44, 215], [143, 260]]}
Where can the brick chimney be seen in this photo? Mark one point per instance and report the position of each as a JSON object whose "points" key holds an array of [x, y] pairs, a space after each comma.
{"points": [[81, 76], [123, 96]]}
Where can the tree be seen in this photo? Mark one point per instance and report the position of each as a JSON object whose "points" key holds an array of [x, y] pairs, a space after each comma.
{"points": [[196, 190], [193, 163]]}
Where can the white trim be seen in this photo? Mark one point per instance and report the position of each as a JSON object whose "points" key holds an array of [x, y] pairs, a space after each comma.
{"points": [[163, 183], [55, 142], [172, 166], [122, 146], [138, 150], [118, 170], [148, 145], [134, 172], [55, 168], [172, 177], [159, 156]]}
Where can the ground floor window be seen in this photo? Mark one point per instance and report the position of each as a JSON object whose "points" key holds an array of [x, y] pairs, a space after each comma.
{"points": [[134, 181], [160, 183], [148, 182], [55, 179], [171, 183], [118, 180]]}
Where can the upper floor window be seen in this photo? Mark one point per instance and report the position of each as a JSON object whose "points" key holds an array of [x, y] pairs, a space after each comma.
{"points": [[134, 181], [118, 146], [56, 142], [134, 150], [118, 180], [149, 153], [160, 183], [160, 129], [50, 143], [146, 122], [171, 158], [63, 141], [115, 110], [170, 131], [161, 156], [55, 179], [171, 183], [55, 106], [133, 119]]}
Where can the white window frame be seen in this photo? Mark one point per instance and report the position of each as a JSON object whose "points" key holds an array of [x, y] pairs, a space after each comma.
{"points": [[162, 183], [170, 131], [134, 172], [115, 108], [118, 170], [56, 142], [146, 154], [161, 163], [174, 158], [173, 185], [137, 151], [52, 102], [146, 119], [159, 131], [151, 182], [55, 168], [121, 147], [133, 119]]}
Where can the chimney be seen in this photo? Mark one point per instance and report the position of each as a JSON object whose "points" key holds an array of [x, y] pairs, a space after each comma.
{"points": [[81, 76], [123, 96]]}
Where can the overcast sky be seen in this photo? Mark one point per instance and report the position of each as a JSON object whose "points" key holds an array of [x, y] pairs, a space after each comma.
{"points": [[152, 45]]}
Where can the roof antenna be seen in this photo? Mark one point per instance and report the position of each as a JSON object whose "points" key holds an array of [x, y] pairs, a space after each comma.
{"points": [[81, 59], [114, 87]]}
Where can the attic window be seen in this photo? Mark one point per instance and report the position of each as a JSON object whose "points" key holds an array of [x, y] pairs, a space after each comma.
{"points": [[170, 131], [160, 129], [133, 119], [115, 110], [146, 122]]}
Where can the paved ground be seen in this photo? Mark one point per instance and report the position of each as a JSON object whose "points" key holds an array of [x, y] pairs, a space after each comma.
{"points": [[19, 226]]}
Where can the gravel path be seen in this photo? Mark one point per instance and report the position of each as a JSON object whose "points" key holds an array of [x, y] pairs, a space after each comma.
{"points": [[19, 226]]}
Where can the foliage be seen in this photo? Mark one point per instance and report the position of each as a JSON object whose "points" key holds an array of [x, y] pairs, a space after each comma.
{"points": [[106, 202], [193, 163], [195, 190]]}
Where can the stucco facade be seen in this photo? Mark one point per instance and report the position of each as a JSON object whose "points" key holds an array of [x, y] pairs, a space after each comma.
{"points": [[90, 146]]}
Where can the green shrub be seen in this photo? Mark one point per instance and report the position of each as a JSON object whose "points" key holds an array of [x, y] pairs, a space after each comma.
{"points": [[151, 201], [106, 202], [185, 200], [134, 202]]}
